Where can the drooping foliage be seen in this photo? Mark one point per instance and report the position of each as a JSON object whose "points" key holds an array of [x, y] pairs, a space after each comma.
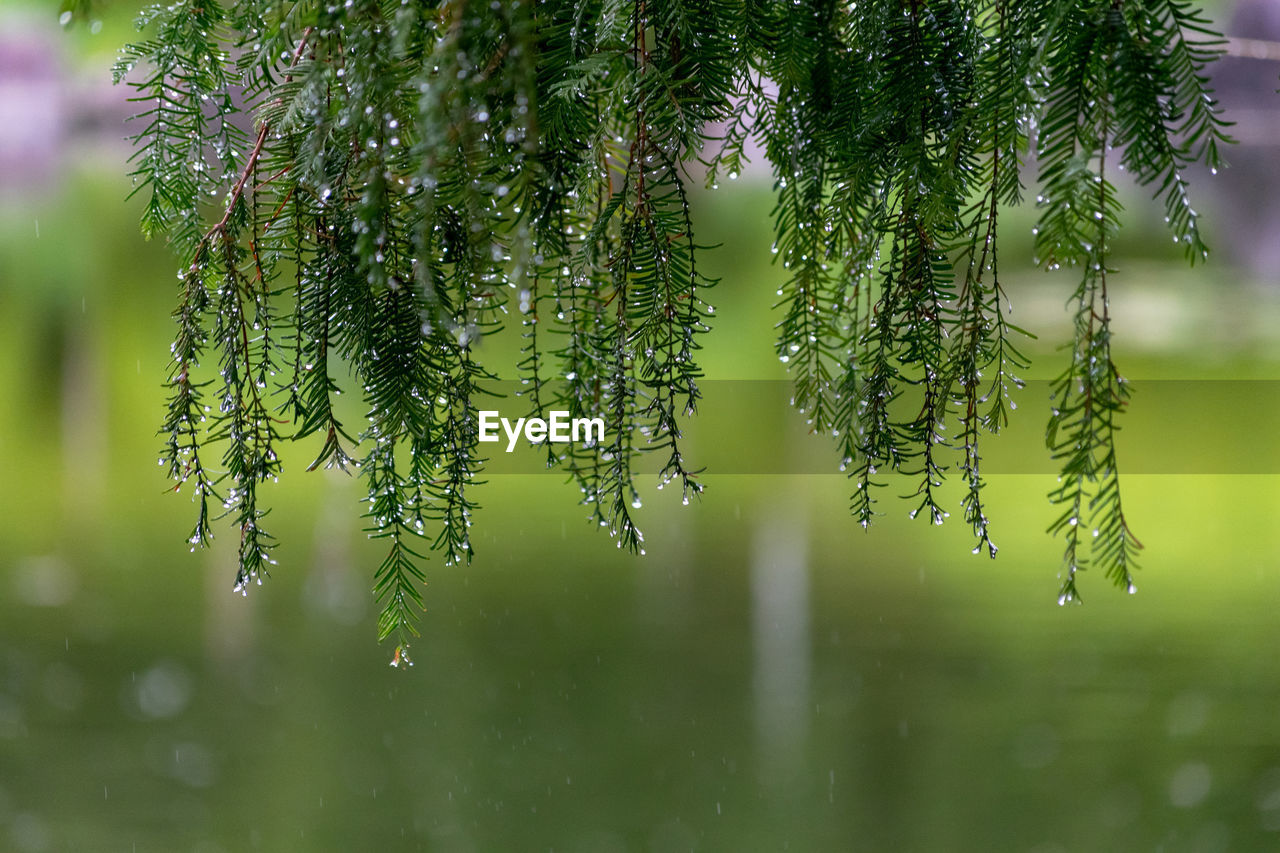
{"points": [[368, 188]]}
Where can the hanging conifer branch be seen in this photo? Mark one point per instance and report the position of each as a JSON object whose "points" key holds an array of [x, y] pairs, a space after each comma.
{"points": [[421, 171]]}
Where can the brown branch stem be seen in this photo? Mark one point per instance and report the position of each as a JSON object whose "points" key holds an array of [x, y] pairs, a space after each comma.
{"points": [[237, 191]]}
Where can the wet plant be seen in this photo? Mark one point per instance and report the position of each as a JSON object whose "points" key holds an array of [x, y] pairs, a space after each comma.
{"points": [[367, 189]]}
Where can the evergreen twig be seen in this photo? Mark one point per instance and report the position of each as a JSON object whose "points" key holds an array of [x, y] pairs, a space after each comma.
{"points": [[415, 163]]}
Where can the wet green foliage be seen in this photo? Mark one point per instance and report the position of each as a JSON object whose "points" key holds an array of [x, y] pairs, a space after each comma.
{"points": [[420, 174]]}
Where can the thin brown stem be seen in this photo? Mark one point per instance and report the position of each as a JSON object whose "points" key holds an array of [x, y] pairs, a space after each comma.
{"points": [[237, 191]]}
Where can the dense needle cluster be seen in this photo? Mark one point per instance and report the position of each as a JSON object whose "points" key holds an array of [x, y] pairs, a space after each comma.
{"points": [[417, 174]]}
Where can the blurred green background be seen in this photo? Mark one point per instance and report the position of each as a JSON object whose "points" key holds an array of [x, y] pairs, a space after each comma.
{"points": [[768, 677]]}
